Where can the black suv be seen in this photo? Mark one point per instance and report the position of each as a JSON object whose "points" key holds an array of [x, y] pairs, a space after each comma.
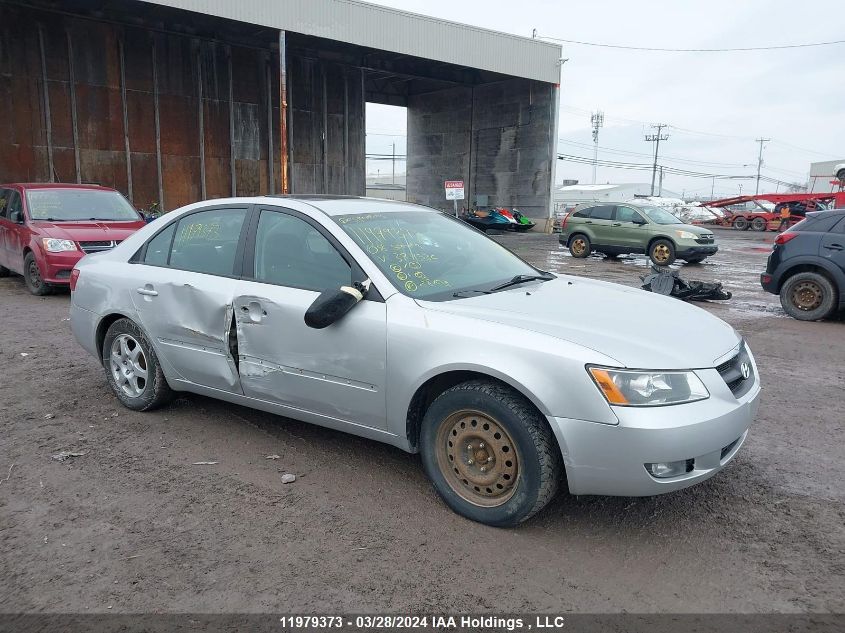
{"points": [[807, 266]]}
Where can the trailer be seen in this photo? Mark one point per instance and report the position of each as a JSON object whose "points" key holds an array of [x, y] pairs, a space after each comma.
{"points": [[763, 219]]}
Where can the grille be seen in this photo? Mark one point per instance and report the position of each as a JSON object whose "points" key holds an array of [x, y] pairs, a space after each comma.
{"points": [[731, 373], [705, 239], [98, 246]]}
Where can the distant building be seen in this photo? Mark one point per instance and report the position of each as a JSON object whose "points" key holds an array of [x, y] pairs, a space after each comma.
{"points": [[576, 194], [386, 187], [820, 176]]}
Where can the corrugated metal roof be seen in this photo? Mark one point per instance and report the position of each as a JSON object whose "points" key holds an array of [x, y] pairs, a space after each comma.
{"points": [[392, 30]]}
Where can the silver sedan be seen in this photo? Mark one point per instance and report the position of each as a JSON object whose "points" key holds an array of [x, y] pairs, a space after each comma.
{"points": [[404, 325]]}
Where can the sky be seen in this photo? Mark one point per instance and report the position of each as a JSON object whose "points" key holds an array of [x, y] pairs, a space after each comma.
{"points": [[717, 104]]}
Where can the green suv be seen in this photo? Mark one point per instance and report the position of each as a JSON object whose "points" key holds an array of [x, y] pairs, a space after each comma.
{"points": [[617, 229]]}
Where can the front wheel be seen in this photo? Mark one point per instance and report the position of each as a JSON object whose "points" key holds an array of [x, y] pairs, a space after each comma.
{"points": [[808, 297], [741, 224], [662, 252], [132, 368], [490, 455], [32, 276]]}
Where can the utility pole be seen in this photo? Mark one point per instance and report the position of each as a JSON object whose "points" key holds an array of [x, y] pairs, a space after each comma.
{"points": [[656, 138], [393, 161], [660, 186], [760, 162], [713, 189], [597, 120]]}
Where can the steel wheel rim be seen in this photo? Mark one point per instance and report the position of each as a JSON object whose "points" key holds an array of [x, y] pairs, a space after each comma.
{"points": [[807, 296], [34, 274], [579, 246], [128, 365], [478, 458], [661, 252]]}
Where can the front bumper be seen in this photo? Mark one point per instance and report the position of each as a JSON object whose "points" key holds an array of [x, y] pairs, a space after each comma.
{"points": [[56, 267], [683, 251], [604, 459]]}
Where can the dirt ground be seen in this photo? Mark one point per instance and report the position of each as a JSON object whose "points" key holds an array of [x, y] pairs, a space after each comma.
{"points": [[133, 526]]}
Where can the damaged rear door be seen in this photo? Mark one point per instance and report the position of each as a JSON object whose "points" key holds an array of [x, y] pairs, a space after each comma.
{"points": [[337, 372], [186, 282]]}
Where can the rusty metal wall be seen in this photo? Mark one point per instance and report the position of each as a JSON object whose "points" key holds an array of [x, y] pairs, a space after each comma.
{"points": [[164, 118]]}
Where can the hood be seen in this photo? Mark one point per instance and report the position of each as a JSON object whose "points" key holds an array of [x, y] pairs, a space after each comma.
{"points": [[87, 231], [637, 328], [692, 228]]}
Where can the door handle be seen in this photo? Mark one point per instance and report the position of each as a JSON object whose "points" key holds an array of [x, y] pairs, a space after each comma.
{"points": [[834, 247], [617, 224], [147, 292], [588, 222]]}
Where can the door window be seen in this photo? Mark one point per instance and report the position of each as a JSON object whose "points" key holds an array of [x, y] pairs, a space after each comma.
{"points": [[583, 213], [206, 241], [627, 214], [604, 212], [158, 248], [291, 252], [4, 203], [14, 206]]}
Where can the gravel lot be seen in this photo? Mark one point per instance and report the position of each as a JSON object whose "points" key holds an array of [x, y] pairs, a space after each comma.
{"points": [[133, 526]]}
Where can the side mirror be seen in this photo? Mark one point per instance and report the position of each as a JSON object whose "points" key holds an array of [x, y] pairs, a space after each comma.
{"points": [[639, 221], [16, 216], [332, 305]]}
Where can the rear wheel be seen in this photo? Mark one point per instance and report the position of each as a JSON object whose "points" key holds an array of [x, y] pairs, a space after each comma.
{"points": [[490, 455], [741, 223], [580, 246], [132, 368], [662, 252], [32, 276], [808, 297], [759, 224]]}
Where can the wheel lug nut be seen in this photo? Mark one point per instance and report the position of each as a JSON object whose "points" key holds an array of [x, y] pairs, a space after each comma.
{"points": [[481, 445], [490, 459], [470, 462], [483, 468], [469, 447]]}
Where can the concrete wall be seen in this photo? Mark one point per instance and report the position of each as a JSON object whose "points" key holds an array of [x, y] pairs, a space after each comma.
{"points": [[497, 137]]}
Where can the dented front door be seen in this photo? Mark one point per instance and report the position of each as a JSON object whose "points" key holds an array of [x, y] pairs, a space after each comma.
{"points": [[338, 372], [189, 315]]}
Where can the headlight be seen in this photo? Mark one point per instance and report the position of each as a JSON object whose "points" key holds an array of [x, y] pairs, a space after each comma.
{"points": [[57, 246], [637, 388], [686, 235]]}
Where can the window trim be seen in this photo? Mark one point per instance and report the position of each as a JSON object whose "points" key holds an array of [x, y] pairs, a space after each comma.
{"points": [[248, 263], [237, 266]]}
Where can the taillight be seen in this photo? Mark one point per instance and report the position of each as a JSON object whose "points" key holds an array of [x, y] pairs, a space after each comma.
{"points": [[565, 218], [74, 277], [783, 238]]}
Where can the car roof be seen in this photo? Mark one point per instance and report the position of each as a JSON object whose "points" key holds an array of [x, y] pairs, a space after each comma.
{"points": [[347, 205], [56, 185], [823, 213]]}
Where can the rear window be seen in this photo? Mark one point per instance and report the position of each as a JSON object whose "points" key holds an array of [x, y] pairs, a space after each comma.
{"points": [[821, 224], [583, 213]]}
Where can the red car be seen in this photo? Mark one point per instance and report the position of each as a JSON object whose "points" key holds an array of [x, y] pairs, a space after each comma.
{"points": [[46, 228]]}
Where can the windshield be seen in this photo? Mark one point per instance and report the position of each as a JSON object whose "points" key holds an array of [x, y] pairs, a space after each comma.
{"points": [[431, 255], [69, 205], [660, 216]]}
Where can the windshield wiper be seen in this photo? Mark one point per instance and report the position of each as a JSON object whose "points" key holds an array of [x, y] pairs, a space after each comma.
{"points": [[460, 293], [522, 279]]}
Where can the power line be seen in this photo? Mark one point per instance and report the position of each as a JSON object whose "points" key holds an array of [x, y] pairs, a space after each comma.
{"points": [[693, 50]]}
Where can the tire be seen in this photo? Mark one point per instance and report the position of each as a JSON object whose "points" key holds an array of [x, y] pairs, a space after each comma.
{"points": [[126, 353], [809, 297], [662, 252], [32, 276], [841, 175], [611, 255], [741, 223], [526, 465], [759, 224], [4, 272], [580, 246]]}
